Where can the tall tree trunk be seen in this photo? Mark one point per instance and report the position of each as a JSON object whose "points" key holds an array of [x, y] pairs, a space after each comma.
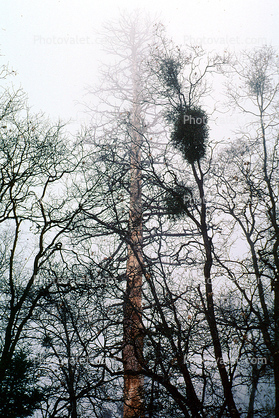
{"points": [[276, 345], [210, 310], [273, 217], [133, 335]]}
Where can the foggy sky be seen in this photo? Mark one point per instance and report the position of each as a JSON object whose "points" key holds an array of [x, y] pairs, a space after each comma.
{"points": [[52, 45]]}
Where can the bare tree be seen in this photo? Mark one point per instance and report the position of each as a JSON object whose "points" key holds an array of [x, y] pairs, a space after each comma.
{"points": [[155, 227], [248, 186], [33, 217], [129, 42]]}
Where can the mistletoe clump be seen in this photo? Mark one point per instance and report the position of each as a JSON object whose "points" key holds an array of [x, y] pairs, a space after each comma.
{"points": [[177, 200], [169, 72], [190, 132]]}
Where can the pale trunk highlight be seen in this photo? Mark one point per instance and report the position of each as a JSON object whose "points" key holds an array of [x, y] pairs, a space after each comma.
{"points": [[133, 335]]}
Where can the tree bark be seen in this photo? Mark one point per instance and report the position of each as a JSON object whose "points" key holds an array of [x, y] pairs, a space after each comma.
{"points": [[133, 335]]}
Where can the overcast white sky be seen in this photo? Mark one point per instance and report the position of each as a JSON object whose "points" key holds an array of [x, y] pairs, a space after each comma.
{"points": [[52, 44]]}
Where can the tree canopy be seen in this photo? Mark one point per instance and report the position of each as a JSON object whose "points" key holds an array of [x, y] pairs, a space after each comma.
{"points": [[139, 260]]}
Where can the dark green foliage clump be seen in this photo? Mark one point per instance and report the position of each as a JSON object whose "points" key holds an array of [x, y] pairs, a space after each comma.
{"points": [[169, 70], [47, 341], [18, 395], [178, 200], [190, 132]]}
